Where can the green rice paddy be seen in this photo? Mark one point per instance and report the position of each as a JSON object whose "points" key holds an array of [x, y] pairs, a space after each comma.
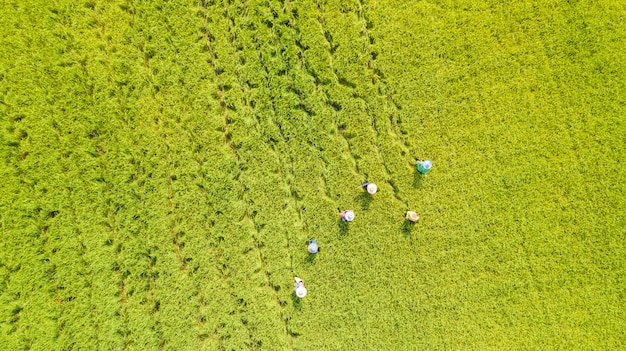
{"points": [[165, 163]]}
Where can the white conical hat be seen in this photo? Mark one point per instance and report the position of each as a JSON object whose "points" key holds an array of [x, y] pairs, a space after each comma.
{"points": [[372, 188], [349, 215], [301, 291], [412, 216]]}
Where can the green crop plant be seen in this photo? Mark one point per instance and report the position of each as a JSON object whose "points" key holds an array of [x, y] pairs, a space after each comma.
{"points": [[164, 164]]}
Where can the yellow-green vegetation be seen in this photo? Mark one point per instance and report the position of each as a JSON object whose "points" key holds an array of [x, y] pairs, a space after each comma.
{"points": [[164, 164]]}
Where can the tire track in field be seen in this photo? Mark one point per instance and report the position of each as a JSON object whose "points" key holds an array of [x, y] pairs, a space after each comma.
{"points": [[336, 107], [220, 267], [112, 212], [112, 215], [379, 79], [268, 282], [375, 81], [86, 82], [245, 89], [247, 216], [147, 58], [122, 294], [289, 170], [209, 38], [176, 239], [229, 131], [288, 10], [40, 218], [31, 237], [383, 89], [148, 254], [357, 95], [256, 229], [175, 223], [331, 49], [295, 197]]}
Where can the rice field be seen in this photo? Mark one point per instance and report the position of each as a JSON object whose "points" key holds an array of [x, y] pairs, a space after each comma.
{"points": [[164, 165]]}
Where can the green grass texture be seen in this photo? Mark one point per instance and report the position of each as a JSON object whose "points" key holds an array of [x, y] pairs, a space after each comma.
{"points": [[163, 165]]}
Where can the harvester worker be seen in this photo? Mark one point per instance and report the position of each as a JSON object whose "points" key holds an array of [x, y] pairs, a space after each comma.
{"points": [[424, 166], [370, 187], [313, 247], [299, 288], [347, 215], [412, 216]]}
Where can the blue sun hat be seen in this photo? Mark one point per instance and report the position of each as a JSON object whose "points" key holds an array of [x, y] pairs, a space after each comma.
{"points": [[424, 166], [313, 247]]}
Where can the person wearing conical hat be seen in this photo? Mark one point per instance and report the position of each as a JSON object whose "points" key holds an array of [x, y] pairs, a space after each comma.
{"points": [[424, 166], [313, 247], [299, 288], [347, 215], [371, 188], [412, 216]]}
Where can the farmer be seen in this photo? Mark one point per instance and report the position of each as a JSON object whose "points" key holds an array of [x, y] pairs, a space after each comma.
{"points": [[370, 187], [313, 247], [299, 288], [412, 216], [424, 166], [347, 215]]}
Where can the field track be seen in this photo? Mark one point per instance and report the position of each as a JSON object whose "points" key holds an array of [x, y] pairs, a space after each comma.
{"points": [[163, 165]]}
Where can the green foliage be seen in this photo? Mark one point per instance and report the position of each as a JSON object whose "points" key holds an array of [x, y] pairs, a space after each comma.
{"points": [[164, 165]]}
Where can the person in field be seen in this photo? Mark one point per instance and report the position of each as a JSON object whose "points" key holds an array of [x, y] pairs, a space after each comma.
{"points": [[423, 166], [412, 216], [371, 188], [299, 288], [347, 215], [313, 247]]}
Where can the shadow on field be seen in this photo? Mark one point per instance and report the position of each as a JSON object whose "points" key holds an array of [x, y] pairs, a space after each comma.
{"points": [[343, 227], [310, 259], [407, 227], [417, 178], [365, 198], [297, 302]]}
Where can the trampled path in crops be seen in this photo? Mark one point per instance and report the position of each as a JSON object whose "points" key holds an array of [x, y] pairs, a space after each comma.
{"points": [[164, 165]]}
